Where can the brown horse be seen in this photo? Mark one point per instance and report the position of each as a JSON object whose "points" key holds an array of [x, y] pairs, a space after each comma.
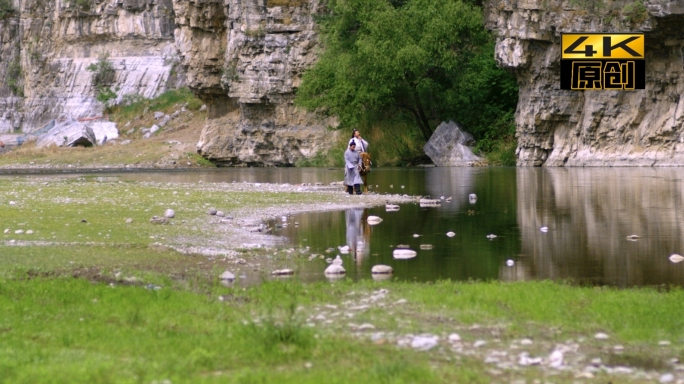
{"points": [[365, 169]]}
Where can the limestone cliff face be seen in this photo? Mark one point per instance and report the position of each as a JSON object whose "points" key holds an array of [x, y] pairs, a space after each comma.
{"points": [[45, 47], [593, 128], [245, 60]]}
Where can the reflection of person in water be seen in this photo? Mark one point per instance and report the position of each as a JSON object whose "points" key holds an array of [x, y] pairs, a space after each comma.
{"points": [[358, 233]]}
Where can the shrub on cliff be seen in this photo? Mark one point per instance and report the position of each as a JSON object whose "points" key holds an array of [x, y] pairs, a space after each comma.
{"points": [[6, 9], [425, 61]]}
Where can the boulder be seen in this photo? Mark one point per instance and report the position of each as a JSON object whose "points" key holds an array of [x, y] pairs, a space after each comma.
{"points": [[103, 129], [69, 133], [449, 146], [381, 269]]}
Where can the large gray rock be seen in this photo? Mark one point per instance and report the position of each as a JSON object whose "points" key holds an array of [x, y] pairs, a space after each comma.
{"points": [[103, 129], [69, 133], [449, 146]]}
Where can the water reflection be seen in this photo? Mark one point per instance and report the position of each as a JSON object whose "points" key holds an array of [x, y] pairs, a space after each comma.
{"points": [[358, 233], [590, 213]]}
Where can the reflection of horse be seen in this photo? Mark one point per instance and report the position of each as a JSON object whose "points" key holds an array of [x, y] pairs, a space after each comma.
{"points": [[365, 169]]}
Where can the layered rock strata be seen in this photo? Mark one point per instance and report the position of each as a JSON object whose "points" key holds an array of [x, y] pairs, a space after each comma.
{"points": [[593, 128], [46, 47], [245, 60]]}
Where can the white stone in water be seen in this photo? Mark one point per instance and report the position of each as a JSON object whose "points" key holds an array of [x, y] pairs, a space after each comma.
{"points": [[454, 337], [675, 258], [227, 275], [282, 272], [544, 229], [424, 343], [169, 213], [343, 249], [374, 220], [426, 247], [381, 269], [329, 260], [451, 234], [404, 254], [601, 336], [391, 207], [633, 237], [491, 236], [472, 196], [335, 270], [337, 261], [416, 235], [510, 262]]}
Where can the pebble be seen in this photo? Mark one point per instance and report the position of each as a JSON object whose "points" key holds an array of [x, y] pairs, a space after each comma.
{"points": [[365, 326], [7, 230], [212, 211], [30, 231], [479, 343], [282, 272], [169, 214], [510, 262], [675, 258], [129, 220], [381, 269], [426, 247], [454, 337], [19, 231], [526, 342], [404, 254], [450, 234], [335, 270], [666, 378], [544, 229], [220, 213], [662, 343], [424, 343], [227, 275], [601, 336], [374, 220], [556, 359], [491, 236]]}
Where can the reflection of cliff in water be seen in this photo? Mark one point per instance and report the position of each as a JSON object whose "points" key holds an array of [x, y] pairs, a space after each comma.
{"points": [[590, 212]]}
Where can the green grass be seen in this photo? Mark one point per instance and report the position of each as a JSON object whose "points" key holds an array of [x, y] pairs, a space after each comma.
{"points": [[164, 103], [72, 330]]}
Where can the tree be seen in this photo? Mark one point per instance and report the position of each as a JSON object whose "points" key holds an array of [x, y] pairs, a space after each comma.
{"points": [[415, 57]]}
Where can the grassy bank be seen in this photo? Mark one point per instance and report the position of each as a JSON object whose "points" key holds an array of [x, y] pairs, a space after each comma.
{"points": [[72, 330]]}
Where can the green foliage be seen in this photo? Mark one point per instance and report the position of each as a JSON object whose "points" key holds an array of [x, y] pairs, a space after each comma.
{"points": [[103, 77], [428, 61], [635, 12], [6, 9], [103, 71], [133, 106], [15, 77]]}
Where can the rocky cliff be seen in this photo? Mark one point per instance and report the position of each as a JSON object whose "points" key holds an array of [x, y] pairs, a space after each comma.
{"points": [[46, 47], [593, 128], [244, 59]]}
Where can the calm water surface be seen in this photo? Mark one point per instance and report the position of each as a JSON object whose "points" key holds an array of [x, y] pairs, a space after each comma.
{"points": [[589, 214]]}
